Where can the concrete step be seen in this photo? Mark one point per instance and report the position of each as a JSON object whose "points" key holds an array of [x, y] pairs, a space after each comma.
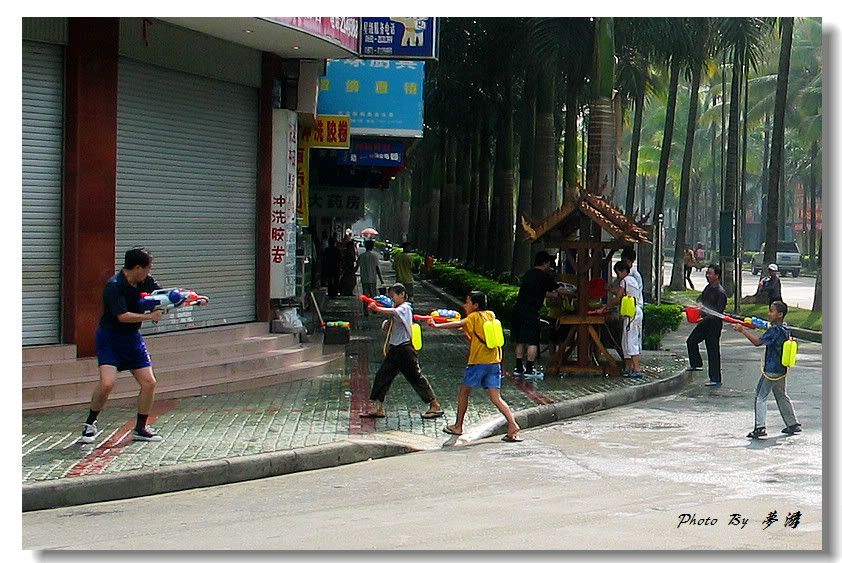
{"points": [[42, 373], [126, 389], [217, 335], [49, 353]]}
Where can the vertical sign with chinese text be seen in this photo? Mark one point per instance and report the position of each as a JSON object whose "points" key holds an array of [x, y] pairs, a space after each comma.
{"points": [[302, 209], [282, 225]]}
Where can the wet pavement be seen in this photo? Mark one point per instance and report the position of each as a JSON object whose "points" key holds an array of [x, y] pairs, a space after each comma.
{"points": [[297, 414]]}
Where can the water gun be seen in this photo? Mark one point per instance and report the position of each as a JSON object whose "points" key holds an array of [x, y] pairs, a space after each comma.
{"points": [[758, 323], [171, 298], [381, 300], [439, 316], [340, 324], [732, 320]]}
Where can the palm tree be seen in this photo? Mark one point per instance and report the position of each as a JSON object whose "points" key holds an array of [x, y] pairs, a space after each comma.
{"points": [[600, 166], [522, 254]]}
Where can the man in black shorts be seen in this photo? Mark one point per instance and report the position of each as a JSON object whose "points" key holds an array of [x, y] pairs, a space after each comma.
{"points": [[119, 345], [536, 285]]}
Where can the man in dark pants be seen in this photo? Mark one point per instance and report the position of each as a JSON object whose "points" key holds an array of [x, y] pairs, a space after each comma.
{"points": [[709, 328], [536, 285]]}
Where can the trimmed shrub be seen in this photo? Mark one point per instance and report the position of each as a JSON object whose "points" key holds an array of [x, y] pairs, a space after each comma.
{"points": [[658, 320]]}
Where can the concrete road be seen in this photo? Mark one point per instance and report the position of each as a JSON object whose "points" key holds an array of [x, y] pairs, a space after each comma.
{"points": [[797, 292], [621, 479]]}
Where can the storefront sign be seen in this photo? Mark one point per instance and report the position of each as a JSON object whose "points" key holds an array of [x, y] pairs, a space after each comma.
{"points": [[373, 153], [381, 97], [302, 208], [331, 132], [282, 225], [399, 38], [341, 31], [345, 203]]}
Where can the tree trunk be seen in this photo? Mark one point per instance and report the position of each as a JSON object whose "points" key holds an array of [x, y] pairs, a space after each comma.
{"points": [[483, 251], [474, 197], [677, 279], [633, 153], [463, 180], [522, 255], [764, 175], [817, 294], [726, 247], [436, 177], [571, 114], [504, 186], [545, 168], [776, 157], [812, 247], [666, 144]]}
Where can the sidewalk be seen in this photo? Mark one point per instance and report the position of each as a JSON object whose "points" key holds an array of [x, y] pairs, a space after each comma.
{"points": [[302, 425]]}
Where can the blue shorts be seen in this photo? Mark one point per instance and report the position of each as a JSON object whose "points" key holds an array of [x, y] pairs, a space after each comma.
{"points": [[122, 350], [487, 376]]}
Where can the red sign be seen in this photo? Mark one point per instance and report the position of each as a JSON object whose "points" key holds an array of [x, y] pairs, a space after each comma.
{"points": [[342, 31]]}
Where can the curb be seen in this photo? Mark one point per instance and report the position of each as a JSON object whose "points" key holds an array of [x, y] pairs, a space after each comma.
{"points": [[806, 334], [99, 488]]}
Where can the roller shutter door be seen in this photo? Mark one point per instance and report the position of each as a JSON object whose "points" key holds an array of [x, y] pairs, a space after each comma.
{"points": [[42, 155], [187, 185]]}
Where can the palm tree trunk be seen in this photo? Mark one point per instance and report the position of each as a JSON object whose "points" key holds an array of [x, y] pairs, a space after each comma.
{"points": [[813, 153], [666, 144], [635, 148], [764, 175], [726, 246], [436, 177], [545, 174], [504, 185], [571, 115], [483, 251], [776, 158], [677, 279], [474, 197], [522, 255], [817, 294]]}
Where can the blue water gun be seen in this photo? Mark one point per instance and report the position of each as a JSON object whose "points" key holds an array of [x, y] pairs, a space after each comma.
{"points": [[757, 322]]}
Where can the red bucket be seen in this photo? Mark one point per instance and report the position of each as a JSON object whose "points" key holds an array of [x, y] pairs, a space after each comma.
{"points": [[694, 314]]}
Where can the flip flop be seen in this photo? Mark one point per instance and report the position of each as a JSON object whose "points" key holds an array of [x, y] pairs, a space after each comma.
{"points": [[447, 430], [508, 438], [372, 415], [432, 414]]}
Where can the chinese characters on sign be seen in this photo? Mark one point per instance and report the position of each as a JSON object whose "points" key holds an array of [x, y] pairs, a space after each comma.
{"points": [[331, 132], [282, 262], [373, 153], [405, 38], [340, 31], [346, 203], [302, 210]]}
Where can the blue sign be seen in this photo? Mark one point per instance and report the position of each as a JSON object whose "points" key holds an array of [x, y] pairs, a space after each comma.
{"points": [[382, 98], [373, 153], [399, 38]]}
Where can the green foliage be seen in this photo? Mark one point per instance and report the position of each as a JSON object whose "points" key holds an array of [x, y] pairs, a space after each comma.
{"points": [[459, 282], [657, 320]]}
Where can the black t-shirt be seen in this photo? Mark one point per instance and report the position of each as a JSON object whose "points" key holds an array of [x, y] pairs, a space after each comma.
{"points": [[119, 297], [534, 286]]}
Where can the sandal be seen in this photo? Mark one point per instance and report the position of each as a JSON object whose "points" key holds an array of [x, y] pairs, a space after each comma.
{"points": [[449, 430], [432, 414], [515, 438]]}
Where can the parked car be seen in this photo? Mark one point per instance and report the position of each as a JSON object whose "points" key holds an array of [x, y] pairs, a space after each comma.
{"points": [[788, 259]]}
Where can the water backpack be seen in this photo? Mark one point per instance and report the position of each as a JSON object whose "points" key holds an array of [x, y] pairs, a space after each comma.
{"points": [[790, 353], [628, 306], [493, 330], [416, 336]]}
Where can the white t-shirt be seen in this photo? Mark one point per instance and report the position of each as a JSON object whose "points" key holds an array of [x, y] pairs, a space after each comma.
{"points": [[401, 324]]}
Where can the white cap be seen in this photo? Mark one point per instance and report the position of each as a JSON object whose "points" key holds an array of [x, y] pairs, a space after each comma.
{"points": [[773, 267]]}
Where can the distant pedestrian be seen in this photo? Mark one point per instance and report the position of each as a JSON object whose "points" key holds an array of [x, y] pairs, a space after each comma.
{"points": [[629, 256], [700, 256], [483, 368], [689, 262], [773, 374], [402, 264], [119, 345], [348, 281], [771, 284], [369, 262], [632, 326], [400, 357], [536, 285], [331, 267], [709, 328]]}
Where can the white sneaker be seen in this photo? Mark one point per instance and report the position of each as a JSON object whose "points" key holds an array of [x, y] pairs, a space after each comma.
{"points": [[89, 433], [148, 434]]}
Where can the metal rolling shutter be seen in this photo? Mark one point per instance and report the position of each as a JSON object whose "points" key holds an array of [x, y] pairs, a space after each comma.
{"points": [[187, 185], [42, 152]]}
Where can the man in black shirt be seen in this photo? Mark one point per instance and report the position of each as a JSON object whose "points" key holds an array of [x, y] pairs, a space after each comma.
{"points": [[709, 328], [536, 285], [119, 345]]}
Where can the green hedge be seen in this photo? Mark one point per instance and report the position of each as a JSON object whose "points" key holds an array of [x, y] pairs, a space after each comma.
{"points": [[417, 259], [658, 320]]}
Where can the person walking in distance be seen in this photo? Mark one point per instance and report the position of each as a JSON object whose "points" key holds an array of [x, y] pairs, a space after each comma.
{"points": [[689, 261], [773, 374], [369, 262], [403, 270], [119, 345], [331, 267], [709, 328], [483, 368]]}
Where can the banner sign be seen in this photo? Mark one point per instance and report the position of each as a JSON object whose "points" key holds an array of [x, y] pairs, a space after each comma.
{"points": [[302, 197], [399, 38], [345, 203], [340, 31], [381, 97], [282, 261], [331, 132], [373, 153]]}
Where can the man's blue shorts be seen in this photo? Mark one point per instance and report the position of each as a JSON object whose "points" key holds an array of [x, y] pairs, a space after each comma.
{"points": [[487, 376], [123, 350]]}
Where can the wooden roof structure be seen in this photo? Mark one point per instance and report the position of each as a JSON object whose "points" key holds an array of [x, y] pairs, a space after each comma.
{"points": [[598, 209]]}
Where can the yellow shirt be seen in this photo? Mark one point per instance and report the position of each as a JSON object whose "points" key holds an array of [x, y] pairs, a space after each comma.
{"points": [[479, 352]]}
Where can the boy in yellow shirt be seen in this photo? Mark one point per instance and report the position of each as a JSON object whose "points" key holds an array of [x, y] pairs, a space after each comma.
{"points": [[483, 368]]}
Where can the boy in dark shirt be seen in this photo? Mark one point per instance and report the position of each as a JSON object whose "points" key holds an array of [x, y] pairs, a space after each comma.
{"points": [[709, 328], [119, 345], [773, 376], [536, 285]]}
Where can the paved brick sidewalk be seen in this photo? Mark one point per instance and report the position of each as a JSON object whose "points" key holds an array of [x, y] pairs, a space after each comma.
{"points": [[301, 413]]}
